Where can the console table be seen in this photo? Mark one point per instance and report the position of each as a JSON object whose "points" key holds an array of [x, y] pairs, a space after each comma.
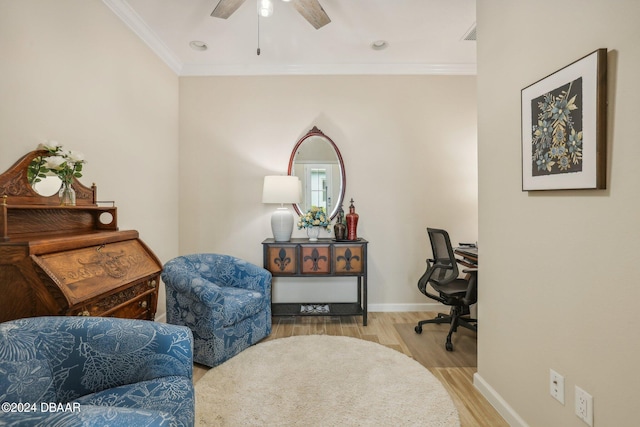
{"points": [[323, 258]]}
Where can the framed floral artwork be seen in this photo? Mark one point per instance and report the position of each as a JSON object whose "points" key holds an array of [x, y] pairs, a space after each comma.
{"points": [[564, 127]]}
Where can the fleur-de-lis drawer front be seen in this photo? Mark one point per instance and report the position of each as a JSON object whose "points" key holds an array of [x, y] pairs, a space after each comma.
{"points": [[300, 257], [348, 259], [281, 259], [316, 259]]}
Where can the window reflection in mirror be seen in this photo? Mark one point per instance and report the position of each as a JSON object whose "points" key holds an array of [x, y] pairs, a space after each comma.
{"points": [[318, 187]]}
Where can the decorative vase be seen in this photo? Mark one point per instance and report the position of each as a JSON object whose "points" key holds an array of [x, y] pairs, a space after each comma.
{"points": [[313, 233], [67, 194], [339, 229], [352, 223]]}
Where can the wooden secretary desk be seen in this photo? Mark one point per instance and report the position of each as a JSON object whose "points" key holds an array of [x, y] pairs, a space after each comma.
{"points": [[69, 260]]}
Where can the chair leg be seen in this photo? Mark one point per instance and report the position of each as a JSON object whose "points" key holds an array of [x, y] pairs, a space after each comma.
{"points": [[471, 324], [454, 326], [459, 320], [454, 318], [440, 318]]}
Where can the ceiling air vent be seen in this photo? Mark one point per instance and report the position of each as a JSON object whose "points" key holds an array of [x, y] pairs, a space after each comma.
{"points": [[470, 35]]}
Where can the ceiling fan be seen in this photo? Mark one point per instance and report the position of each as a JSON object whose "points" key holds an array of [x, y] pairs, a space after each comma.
{"points": [[311, 10]]}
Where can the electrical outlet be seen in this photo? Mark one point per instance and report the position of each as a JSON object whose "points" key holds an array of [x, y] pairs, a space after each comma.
{"points": [[584, 406], [556, 386]]}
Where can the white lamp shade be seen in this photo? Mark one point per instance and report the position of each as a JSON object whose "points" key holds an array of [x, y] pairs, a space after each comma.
{"points": [[281, 189]]}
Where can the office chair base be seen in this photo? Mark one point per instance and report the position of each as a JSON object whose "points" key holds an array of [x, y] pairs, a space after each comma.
{"points": [[455, 319]]}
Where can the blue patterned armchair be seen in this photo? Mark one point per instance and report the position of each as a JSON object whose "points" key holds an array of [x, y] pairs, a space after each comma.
{"points": [[225, 301], [95, 371]]}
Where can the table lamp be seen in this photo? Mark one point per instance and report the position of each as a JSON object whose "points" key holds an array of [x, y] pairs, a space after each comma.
{"points": [[281, 189]]}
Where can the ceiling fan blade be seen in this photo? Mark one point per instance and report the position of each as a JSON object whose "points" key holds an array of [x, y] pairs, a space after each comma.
{"points": [[225, 8], [312, 12]]}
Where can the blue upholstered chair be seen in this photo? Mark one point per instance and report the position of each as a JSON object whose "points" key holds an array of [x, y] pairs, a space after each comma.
{"points": [[225, 301], [95, 371]]}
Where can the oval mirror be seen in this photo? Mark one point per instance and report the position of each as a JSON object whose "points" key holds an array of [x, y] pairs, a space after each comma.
{"points": [[44, 183], [317, 163], [48, 186]]}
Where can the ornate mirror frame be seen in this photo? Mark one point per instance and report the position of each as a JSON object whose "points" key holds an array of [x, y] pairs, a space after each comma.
{"points": [[315, 132]]}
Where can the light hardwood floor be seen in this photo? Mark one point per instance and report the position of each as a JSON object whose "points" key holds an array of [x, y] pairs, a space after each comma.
{"points": [[473, 408]]}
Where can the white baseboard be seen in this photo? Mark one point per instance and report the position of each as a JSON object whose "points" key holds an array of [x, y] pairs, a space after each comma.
{"points": [[407, 307], [373, 308], [501, 405]]}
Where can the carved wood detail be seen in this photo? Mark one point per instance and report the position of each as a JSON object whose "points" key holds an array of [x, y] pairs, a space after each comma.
{"points": [[15, 185]]}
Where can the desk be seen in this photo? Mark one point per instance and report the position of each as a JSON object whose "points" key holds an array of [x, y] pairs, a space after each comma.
{"points": [[468, 256], [324, 258]]}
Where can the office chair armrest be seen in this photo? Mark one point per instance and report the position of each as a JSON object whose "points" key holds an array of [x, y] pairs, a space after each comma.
{"points": [[443, 266], [431, 263], [470, 270]]}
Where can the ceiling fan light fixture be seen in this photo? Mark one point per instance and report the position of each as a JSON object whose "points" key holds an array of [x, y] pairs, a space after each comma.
{"points": [[379, 45], [198, 45], [265, 8]]}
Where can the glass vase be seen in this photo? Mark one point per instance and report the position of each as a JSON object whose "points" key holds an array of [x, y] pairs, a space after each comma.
{"points": [[67, 195], [313, 233]]}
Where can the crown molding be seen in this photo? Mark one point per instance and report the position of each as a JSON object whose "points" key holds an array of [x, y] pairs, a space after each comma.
{"points": [[327, 69], [132, 20]]}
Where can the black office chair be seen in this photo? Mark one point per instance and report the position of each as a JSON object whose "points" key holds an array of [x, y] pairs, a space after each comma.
{"points": [[442, 275]]}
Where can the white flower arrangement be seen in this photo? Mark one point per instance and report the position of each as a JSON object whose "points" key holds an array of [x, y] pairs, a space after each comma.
{"points": [[315, 217], [65, 164]]}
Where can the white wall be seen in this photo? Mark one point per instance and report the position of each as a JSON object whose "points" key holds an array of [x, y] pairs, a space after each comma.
{"points": [[71, 71], [409, 148], [558, 286]]}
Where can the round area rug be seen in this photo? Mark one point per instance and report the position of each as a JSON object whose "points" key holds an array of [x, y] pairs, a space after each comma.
{"points": [[320, 380]]}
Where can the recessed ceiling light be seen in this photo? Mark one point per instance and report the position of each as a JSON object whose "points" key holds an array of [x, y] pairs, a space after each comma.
{"points": [[379, 45], [198, 45]]}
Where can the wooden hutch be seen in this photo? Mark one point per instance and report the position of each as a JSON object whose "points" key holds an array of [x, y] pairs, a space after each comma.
{"points": [[69, 260]]}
